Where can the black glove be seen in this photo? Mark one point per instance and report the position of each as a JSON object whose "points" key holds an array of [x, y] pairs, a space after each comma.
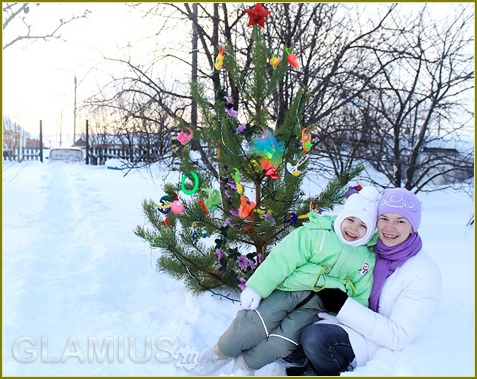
{"points": [[332, 298]]}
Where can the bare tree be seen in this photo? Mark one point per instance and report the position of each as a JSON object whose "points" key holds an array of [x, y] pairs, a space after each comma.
{"points": [[333, 47], [15, 15], [384, 91], [141, 116], [323, 41], [419, 101], [143, 102]]}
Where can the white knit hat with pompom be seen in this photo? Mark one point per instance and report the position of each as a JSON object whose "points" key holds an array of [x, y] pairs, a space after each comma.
{"points": [[363, 205]]}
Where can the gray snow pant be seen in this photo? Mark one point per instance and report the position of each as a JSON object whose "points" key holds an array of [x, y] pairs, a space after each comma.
{"points": [[273, 330]]}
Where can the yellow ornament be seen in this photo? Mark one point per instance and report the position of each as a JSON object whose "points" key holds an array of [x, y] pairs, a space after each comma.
{"points": [[274, 61]]}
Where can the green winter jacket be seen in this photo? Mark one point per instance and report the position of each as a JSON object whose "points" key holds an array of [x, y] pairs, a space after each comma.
{"points": [[312, 258]]}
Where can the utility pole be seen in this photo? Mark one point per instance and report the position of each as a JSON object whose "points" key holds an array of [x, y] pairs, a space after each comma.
{"points": [[74, 118], [61, 127], [193, 113], [87, 142], [41, 141]]}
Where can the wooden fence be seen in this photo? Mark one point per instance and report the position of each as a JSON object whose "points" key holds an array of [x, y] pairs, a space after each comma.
{"points": [[22, 154], [95, 156]]}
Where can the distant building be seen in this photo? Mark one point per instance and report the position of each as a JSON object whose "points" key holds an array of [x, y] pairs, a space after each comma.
{"points": [[80, 142], [32, 143]]}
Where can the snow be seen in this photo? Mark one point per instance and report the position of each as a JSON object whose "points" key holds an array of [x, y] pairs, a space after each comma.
{"points": [[82, 297]]}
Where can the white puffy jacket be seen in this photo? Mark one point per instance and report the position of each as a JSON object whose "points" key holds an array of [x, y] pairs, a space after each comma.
{"points": [[408, 300]]}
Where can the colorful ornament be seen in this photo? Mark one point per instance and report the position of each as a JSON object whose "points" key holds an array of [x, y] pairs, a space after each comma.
{"points": [[242, 284], [313, 208], [236, 178], [177, 207], [353, 190], [195, 236], [270, 171], [274, 61], [229, 107], [195, 178], [270, 219], [219, 254], [242, 262], [183, 137], [306, 140], [255, 165], [261, 210], [164, 205], [290, 218], [294, 169], [202, 204], [246, 207], [265, 213], [269, 152], [213, 199], [198, 232], [219, 61], [257, 15], [291, 58], [240, 128]]}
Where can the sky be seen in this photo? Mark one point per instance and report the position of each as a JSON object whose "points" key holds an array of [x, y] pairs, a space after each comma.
{"points": [[82, 297], [38, 77]]}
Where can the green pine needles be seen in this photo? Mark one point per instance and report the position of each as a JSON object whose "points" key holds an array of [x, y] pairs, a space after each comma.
{"points": [[241, 194]]}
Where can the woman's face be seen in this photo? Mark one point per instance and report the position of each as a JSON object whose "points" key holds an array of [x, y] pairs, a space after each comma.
{"points": [[393, 229]]}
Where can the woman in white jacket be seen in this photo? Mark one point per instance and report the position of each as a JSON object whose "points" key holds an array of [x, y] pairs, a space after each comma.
{"points": [[405, 296]]}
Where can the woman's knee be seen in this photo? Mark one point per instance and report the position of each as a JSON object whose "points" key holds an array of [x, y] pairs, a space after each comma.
{"points": [[311, 337], [328, 348]]}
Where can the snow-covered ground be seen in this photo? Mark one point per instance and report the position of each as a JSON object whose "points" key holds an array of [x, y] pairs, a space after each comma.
{"points": [[82, 297]]}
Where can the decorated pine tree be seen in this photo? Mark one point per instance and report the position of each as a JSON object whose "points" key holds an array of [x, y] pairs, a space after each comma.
{"points": [[234, 203]]}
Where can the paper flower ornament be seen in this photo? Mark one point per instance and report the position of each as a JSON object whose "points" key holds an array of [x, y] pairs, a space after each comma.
{"points": [[291, 58], [257, 15], [219, 61]]}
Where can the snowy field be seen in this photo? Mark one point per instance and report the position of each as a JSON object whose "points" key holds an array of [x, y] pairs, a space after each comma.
{"points": [[82, 297]]}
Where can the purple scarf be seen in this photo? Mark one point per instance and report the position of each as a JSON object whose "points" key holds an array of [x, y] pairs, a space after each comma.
{"points": [[389, 259]]}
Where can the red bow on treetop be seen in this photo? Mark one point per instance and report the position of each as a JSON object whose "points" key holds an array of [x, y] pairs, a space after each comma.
{"points": [[257, 15]]}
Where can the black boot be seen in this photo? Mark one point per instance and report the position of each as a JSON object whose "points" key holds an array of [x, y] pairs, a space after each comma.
{"points": [[297, 358], [307, 370]]}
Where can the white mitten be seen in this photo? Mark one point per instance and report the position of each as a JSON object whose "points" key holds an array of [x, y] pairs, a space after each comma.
{"points": [[249, 299], [329, 318]]}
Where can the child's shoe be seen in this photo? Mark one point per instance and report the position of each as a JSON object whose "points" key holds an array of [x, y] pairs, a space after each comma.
{"points": [[241, 368], [210, 360]]}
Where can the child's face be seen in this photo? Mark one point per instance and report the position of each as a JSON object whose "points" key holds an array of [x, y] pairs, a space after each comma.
{"points": [[352, 228]]}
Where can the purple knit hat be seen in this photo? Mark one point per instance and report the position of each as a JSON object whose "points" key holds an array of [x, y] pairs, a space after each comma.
{"points": [[402, 202]]}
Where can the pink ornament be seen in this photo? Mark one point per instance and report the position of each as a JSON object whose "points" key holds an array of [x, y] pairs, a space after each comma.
{"points": [[183, 137], [177, 207]]}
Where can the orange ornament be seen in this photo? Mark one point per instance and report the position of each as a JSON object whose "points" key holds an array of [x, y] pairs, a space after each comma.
{"points": [[274, 61], [291, 58]]}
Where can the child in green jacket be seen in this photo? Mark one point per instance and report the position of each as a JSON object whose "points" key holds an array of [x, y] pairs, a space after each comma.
{"points": [[326, 252]]}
